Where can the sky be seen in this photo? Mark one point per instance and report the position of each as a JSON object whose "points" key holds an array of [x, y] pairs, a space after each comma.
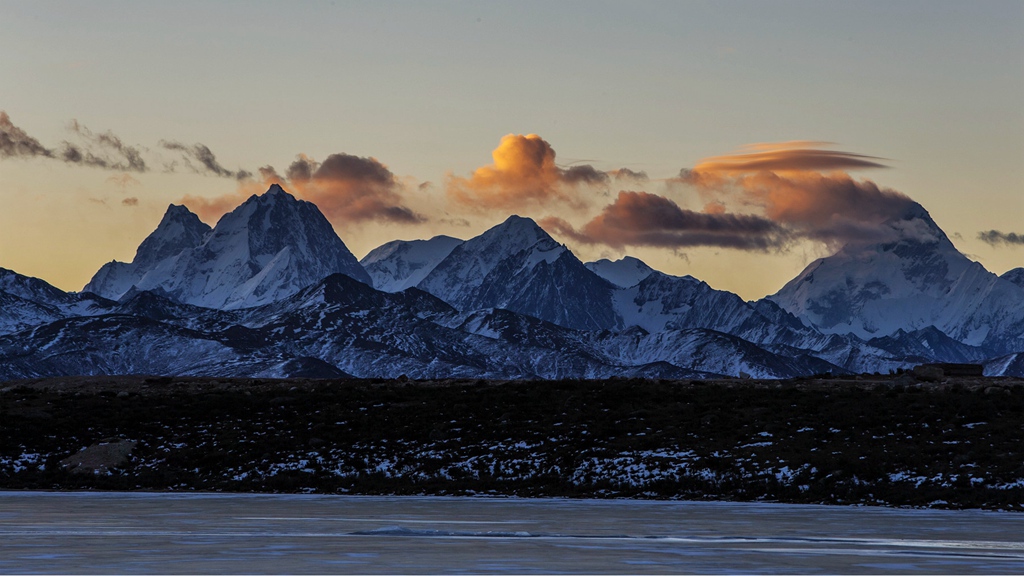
{"points": [[731, 141]]}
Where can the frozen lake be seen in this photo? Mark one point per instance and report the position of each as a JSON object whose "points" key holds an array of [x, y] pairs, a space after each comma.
{"points": [[244, 533]]}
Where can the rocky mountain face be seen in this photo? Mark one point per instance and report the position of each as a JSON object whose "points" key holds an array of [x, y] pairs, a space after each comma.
{"points": [[401, 264], [272, 291], [915, 280], [266, 249], [518, 266], [623, 273], [1015, 275], [179, 230]]}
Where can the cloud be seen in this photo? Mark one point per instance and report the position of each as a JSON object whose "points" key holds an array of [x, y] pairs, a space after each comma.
{"points": [[104, 150], [133, 201], [201, 160], [643, 219], [785, 157], [99, 148], [123, 181], [15, 142], [523, 172], [788, 183], [584, 174], [345, 187], [351, 188], [627, 174], [825, 206], [997, 238]]}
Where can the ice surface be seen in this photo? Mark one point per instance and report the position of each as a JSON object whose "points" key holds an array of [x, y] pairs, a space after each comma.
{"points": [[242, 533]]}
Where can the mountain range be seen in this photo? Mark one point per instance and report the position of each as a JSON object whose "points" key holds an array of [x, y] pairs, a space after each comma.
{"points": [[271, 290]]}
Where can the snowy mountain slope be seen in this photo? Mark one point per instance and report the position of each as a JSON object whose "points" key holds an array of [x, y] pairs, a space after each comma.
{"points": [[930, 345], [663, 302], [17, 313], [266, 249], [272, 290], [371, 333], [117, 344], [338, 324], [179, 230], [1008, 365], [625, 272], [1015, 276], [916, 280], [27, 301], [708, 351], [517, 266], [32, 289], [400, 264], [466, 267]]}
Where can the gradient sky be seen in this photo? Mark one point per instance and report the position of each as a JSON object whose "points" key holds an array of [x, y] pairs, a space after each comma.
{"points": [[934, 90]]}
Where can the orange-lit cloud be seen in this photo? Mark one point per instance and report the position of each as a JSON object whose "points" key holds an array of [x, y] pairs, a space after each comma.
{"points": [[796, 156], [346, 188], [801, 188], [123, 181], [643, 219], [523, 173], [351, 188]]}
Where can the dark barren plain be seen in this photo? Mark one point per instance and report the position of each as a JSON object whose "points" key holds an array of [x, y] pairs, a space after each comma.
{"points": [[876, 440]]}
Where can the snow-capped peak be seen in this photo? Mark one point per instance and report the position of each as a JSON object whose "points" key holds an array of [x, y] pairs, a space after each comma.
{"points": [[469, 263], [1015, 276], [624, 273], [269, 247], [911, 278], [400, 264], [178, 230]]}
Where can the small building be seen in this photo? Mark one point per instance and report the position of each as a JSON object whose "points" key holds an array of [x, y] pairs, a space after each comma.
{"points": [[945, 369]]}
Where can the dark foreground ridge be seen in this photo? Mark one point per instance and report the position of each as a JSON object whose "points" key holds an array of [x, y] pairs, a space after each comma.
{"points": [[893, 440]]}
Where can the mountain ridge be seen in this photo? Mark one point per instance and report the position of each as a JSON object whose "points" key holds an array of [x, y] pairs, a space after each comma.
{"points": [[271, 289]]}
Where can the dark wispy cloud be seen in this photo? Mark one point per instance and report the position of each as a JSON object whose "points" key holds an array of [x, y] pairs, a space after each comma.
{"points": [[643, 219], [584, 174], [627, 174], [100, 150], [353, 188], [130, 202], [997, 238], [103, 150], [200, 159], [15, 142], [345, 187]]}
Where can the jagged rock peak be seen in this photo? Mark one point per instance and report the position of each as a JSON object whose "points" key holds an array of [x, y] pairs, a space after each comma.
{"points": [[516, 224], [178, 230], [514, 234], [273, 194]]}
